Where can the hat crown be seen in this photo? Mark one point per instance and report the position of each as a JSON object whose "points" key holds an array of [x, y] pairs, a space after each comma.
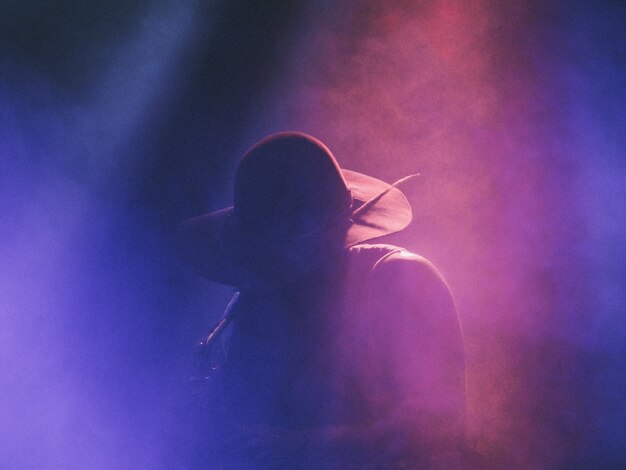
{"points": [[289, 184]]}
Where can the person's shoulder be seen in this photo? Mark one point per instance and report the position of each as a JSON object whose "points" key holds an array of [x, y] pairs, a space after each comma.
{"points": [[408, 275], [393, 261]]}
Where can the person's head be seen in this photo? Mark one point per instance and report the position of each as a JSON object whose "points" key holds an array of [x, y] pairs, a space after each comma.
{"points": [[291, 198]]}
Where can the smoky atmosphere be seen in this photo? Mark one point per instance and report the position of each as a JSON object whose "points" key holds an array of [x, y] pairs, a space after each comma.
{"points": [[119, 120]]}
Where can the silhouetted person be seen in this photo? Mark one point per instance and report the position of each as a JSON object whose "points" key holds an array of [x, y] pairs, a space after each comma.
{"points": [[335, 353]]}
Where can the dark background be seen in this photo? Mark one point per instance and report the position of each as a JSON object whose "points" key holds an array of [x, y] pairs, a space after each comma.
{"points": [[120, 119]]}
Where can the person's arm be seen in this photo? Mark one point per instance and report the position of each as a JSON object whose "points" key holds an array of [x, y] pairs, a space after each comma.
{"points": [[416, 327]]}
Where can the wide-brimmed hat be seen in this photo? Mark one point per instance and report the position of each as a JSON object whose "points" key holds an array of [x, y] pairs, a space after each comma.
{"points": [[289, 190]]}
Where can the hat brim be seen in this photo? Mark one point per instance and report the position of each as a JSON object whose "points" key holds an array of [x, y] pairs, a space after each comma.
{"points": [[213, 246]]}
